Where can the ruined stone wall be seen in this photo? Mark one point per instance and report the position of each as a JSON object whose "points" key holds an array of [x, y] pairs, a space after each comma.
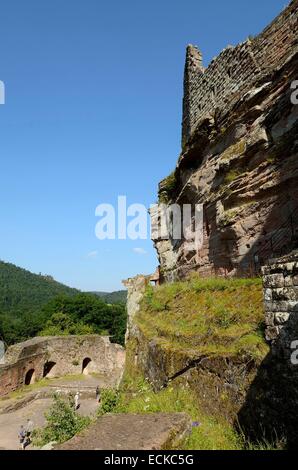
{"points": [[271, 405], [58, 356], [281, 299], [236, 69]]}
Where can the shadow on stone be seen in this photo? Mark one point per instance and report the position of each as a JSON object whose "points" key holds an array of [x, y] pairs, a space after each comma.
{"points": [[271, 407]]}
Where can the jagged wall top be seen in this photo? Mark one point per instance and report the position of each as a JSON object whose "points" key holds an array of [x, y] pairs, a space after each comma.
{"points": [[235, 70]]}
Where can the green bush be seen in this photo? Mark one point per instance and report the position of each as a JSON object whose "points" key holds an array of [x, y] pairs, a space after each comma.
{"points": [[109, 401], [84, 314], [62, 422]]}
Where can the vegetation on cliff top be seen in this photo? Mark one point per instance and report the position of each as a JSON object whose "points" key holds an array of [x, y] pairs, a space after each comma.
{"points": [[214, 316], [167, 188], [209, 316]]}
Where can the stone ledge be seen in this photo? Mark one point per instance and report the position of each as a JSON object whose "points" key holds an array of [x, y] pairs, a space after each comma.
{"points": [[132, 432]]}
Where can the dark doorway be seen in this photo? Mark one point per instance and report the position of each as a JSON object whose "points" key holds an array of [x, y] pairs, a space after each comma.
{"points": [[30, 377], [48, 369], [85, 365]]}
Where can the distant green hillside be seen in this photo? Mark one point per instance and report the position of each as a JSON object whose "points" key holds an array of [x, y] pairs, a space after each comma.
{"points": [[21, 291], [116, 297], [34, 304]]}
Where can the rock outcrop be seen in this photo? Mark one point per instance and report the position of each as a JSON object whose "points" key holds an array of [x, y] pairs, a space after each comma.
{"points": [[132, 432], [219, 377], [239, 155]]}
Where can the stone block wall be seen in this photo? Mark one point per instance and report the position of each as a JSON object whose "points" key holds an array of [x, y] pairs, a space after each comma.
{"points": [[271, 406], [281, 299], [58, 356], [236, 69]]}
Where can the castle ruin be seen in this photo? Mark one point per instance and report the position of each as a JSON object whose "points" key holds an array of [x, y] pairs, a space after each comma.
{"points": [[56, 356], [239, 155]]}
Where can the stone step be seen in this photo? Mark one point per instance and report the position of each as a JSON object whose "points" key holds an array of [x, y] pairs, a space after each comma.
{"points": [[132, 432]]}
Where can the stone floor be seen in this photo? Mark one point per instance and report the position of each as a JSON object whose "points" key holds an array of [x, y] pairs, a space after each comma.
{"points": [[16, 409], [110, 432], [10, 422]]}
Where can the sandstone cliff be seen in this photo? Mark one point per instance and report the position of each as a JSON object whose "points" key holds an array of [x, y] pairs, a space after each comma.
{"points": [[239, 155]]}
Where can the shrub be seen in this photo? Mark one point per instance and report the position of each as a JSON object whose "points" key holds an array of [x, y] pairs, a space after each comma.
{"points": [[62, 422], [109, 401]]}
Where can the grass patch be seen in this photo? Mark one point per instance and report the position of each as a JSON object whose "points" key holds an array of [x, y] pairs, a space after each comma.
{"points": [[214, 315], [137, 396], [208, 432]]}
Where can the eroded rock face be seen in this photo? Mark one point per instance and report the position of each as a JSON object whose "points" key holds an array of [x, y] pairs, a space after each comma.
{"points": [[239, 157], [136, 287], [219, 381]]}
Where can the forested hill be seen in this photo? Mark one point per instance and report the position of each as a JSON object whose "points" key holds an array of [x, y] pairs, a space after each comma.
{"points": [[34, 304], [119, 296], [24, 292]]}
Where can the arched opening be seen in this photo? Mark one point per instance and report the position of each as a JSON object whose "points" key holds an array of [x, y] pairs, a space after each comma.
{"points": [[30, 377], [48, 369], [85, 365]]}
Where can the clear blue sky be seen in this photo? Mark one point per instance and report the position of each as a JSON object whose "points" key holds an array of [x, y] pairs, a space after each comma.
{"points": [[93, 110]]}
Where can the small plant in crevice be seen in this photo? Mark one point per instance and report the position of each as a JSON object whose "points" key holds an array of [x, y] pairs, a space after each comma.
{"points": [[167, 188], [231, 176]]}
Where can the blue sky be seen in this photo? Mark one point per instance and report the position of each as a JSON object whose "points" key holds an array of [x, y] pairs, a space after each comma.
{"points": [[93, 111]]}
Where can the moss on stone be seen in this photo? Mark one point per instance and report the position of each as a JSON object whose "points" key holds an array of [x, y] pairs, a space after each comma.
{"points": [[214, 316], [234, 151], [167, 187]]}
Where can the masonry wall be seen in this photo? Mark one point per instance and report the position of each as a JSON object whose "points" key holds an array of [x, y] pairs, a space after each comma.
{"points": [[281, 300], [65, 354], [236, 69], [271, 406]]}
